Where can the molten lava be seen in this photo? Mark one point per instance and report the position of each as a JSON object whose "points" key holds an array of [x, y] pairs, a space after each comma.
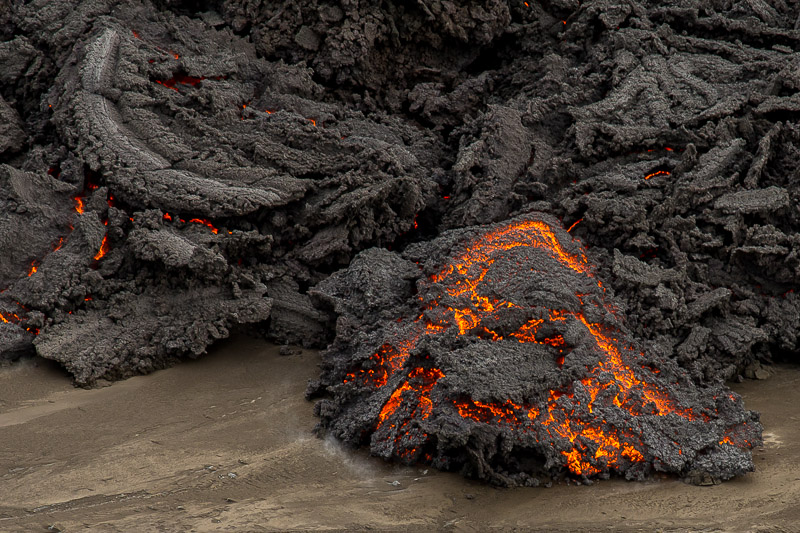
{"points": [[7, 317], [658, 173], [168, 217], [619, 384], [104, 247], [205, 223]]}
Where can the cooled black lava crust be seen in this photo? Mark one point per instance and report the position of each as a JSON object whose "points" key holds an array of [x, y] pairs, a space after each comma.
{"points": [[172, 170]]}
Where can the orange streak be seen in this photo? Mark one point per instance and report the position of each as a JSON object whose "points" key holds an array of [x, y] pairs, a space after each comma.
{"points": [[104, 247], [658, 173], [205, 223], [419, 380], [574, 224], [593, 446]]}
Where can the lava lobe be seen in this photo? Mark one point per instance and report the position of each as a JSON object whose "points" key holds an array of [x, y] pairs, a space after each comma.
{"points": [[512, 349]]}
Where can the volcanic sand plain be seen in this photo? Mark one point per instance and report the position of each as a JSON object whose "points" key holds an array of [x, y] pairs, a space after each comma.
{"points": [[225, 443]]}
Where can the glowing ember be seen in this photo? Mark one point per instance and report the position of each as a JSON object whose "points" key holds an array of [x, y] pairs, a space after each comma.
{"points": [[658, 173], [79, 208], [593, 422], [104, 247], [205, 223], [34, 268], [168, 217], [10, 317]]}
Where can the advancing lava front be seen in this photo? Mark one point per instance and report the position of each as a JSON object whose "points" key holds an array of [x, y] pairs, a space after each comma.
{"points": [[512, 349]]}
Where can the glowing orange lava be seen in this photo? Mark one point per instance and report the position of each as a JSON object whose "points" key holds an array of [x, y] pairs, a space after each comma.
{"points": [[613, 383], [569, 230], [202, 221], [79, 208], [14, 318], [104, 247], [205, 223], [658, 173]]}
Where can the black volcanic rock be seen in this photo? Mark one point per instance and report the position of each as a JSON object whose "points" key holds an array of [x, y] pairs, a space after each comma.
{"points": [[216, 183], [171, 171]]}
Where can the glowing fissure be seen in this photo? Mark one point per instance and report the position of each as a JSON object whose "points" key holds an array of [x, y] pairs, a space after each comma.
{"points": [[168, 217], [80, 208], [104, 247], [658, 173], [7, 317], [594, 446]]}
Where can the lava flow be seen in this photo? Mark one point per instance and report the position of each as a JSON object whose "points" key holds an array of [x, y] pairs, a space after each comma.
{"points": [[463, 300], [104, 247], [9, 317]]}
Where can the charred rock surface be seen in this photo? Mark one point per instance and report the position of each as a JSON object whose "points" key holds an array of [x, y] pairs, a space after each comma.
{"points": [[172, 170]]}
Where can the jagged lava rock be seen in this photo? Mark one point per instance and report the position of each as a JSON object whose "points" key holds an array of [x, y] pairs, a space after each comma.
{"points": [[509, 361]]}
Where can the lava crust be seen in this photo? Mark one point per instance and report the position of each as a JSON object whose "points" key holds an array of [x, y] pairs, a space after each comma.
{"points": [[171, 171], [511, 350]]}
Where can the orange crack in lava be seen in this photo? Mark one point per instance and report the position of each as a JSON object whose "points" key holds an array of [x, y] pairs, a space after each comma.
{"points": [[507, 413], [414, 394], [594, 446], [14, 318], [205, 223], [104, 247], [202, 221], [658, 173]]}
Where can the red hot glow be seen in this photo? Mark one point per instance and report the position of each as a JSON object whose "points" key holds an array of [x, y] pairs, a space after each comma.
{"points": [[592, 446]]}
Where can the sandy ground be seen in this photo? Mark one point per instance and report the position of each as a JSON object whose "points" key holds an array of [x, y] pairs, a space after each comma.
{"points": [[225, 444]]}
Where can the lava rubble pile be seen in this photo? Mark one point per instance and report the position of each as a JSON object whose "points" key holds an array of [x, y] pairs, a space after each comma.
{"points": [[517, 354], [393, 180]]}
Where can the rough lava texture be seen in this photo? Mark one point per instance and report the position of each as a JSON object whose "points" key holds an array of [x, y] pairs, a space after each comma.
{"points": [[508, 351], [189, 186], [172, 170]]}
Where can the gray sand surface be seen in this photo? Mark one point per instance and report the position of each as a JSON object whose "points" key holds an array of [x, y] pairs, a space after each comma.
{"points": [[224, 443]]}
